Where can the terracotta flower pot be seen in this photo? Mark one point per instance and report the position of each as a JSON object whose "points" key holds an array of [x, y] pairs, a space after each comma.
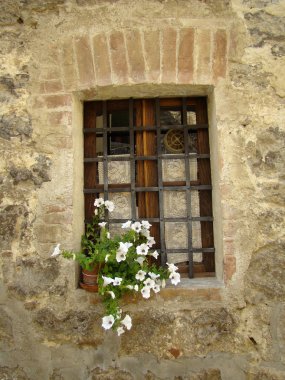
{"points": [[90, 279]]}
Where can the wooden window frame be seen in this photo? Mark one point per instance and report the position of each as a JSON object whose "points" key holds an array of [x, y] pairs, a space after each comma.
{"points": [[147, 187]]}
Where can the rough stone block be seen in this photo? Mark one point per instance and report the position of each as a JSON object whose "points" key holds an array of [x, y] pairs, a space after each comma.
{"points": [[85, 63], [57, 101], [185, 56], [169, 37], [152, 50], [102, 59], [135, 55], [229, 267], [118, 58]]}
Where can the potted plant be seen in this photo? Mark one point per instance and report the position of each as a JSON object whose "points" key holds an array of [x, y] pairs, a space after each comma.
{"points": [[123, 263]]}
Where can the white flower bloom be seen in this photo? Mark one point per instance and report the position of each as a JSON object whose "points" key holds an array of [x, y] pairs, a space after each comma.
{"points": [[127, 224], [146, 224], [130, 287], [102, 224], [107, 257], [109, 206], [107, 280], [108, 235], [112, 294], [117, 281], [155, 254], [172, 267], [156, 288], [140, 275], [120, 256], [96, 211], [136, 288], [150, 241], [120, 330], [149, 283], [127, 322], [145, 292], [99, 202], [140, 260], [142, 249], [108, 322], [154, 276], [56, 251], [136, 226], [145, 233], [175, 278]]}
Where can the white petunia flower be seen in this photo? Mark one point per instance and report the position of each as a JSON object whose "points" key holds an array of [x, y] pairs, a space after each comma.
{"points": [[140, 260], [136, 226], [99, 202], [145, 292], [175, 278], [140, 275], [117, 281], [131, 287], [142, 249], [56, 251], [156, 288], [146, 224], [102, 224], [127, 224], [112, 294], [136, 288], [107, 257], [109, 206], [154, 276], [149, 283], [172, 267], [150, 241], [120, 256], [108, 235], [108, 321], [145, 233], [107, 280], [127, 322], [155, 254], [120, 330]]}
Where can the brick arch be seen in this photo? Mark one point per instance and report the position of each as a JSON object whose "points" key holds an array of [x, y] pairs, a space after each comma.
{"points": [[182, 56]]}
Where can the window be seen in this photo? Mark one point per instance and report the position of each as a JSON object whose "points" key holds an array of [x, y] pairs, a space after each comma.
{"points": [[152, 158]]}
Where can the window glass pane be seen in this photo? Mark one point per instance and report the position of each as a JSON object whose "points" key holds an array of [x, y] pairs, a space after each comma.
{"points": [[118, 142], [174, 204], [118, 171], [170, 116], [176, 235], [123, 208], [196, 235]]}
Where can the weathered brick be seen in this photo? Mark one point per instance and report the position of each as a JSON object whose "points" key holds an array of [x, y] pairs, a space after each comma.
{"points": [[169, 55], [152, 54], [84, 61], [60, 118], [229, 267], [56, 101], [50, 73], [135, 54], [118, 58], [220, 54], [53, 87], [185, 56], [102, 60], [203, 42], [68, 66]]}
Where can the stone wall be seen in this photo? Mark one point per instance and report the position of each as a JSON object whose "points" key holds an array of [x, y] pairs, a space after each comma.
{"points": [[54, 55]]}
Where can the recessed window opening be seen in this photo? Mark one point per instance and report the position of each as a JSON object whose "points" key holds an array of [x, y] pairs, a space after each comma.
{"points": [[151, 157]]}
